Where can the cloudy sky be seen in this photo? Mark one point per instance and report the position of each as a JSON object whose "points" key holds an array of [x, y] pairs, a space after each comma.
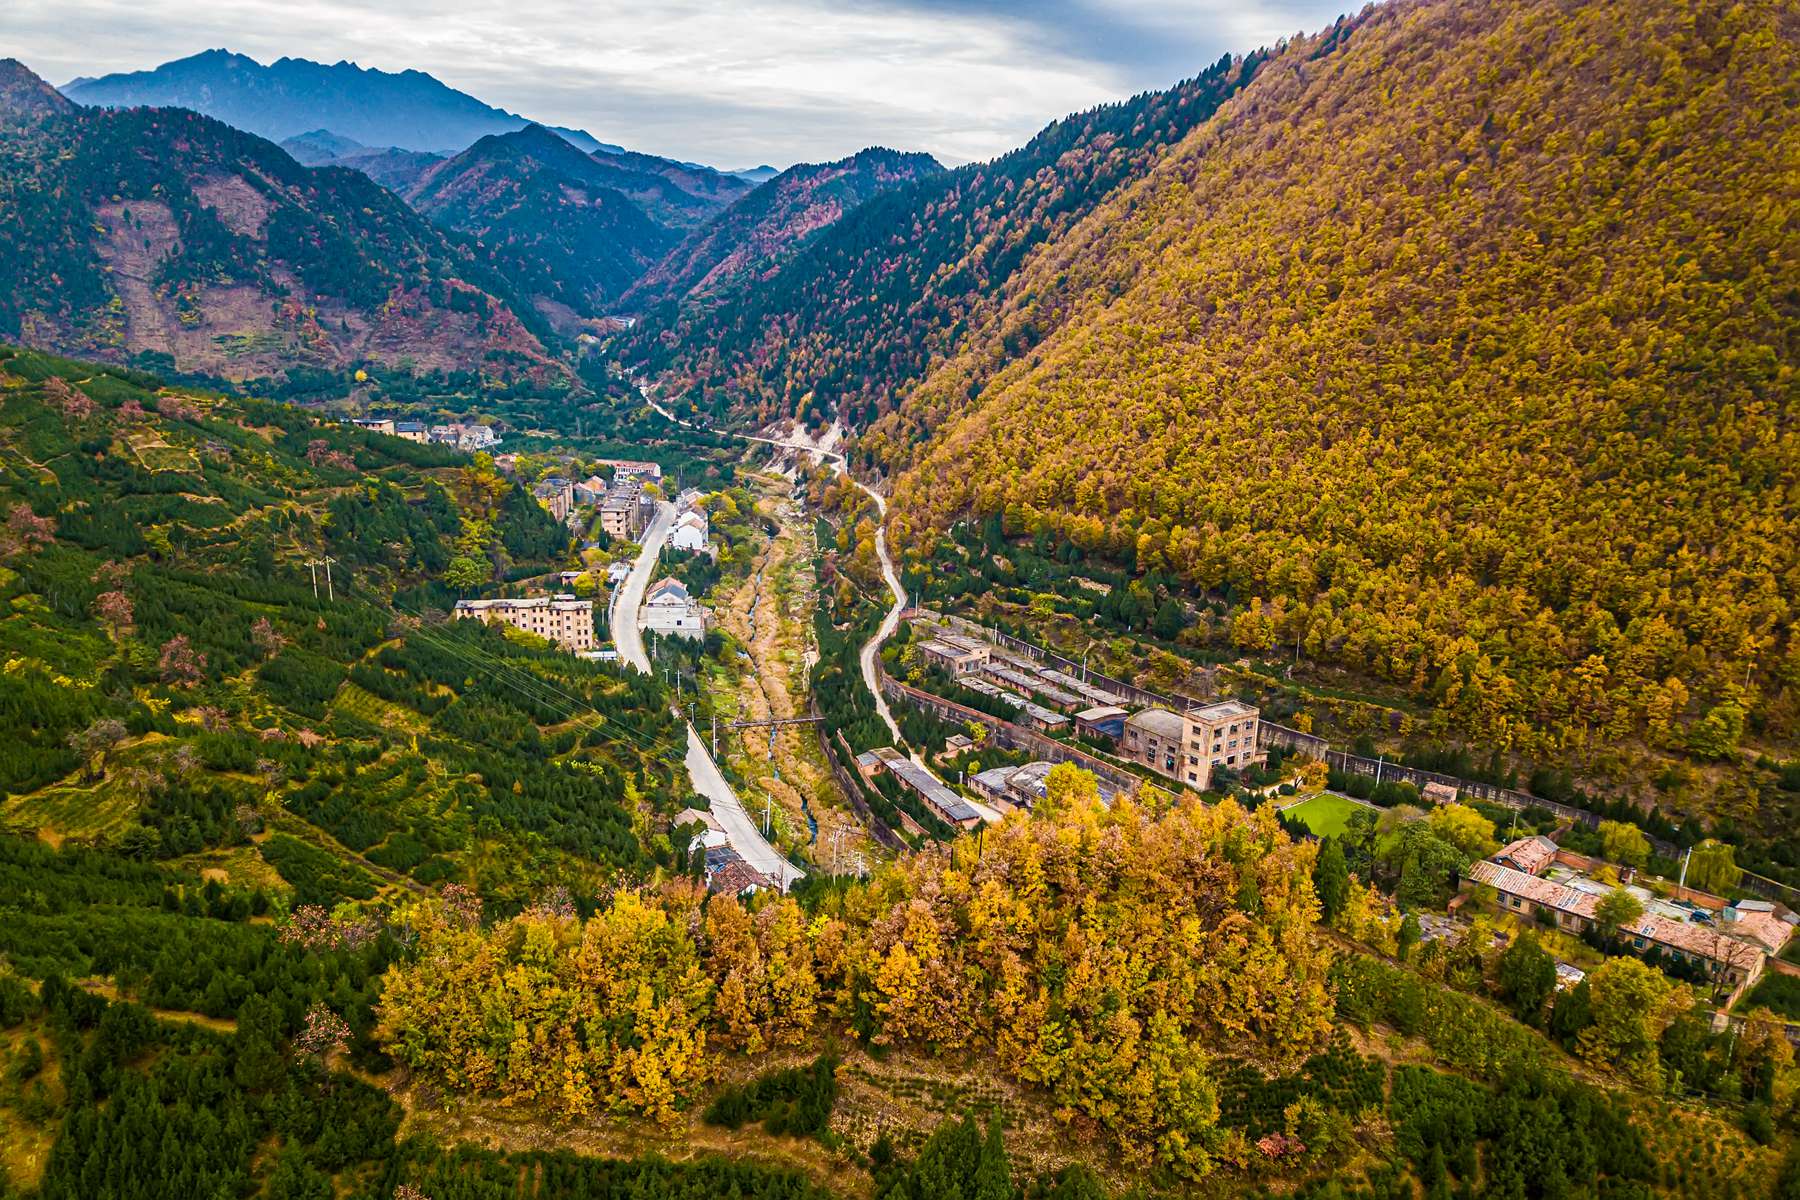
{"points": [[731, 82]]}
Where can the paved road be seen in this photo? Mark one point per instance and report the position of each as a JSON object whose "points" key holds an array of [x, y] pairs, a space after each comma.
{"points": [[741, 831], [870, 654], [626, 635]]}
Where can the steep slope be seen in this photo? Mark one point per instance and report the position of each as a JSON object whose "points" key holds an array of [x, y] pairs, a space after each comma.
{"points": [[393, 168], [1469, 344], [160, 231], [773, 223], [408, 109], [575, 230], [883, 294], [23, 95]]}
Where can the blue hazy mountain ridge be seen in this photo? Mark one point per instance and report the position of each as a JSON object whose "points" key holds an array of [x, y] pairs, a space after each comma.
{"points": [[409, 110]]}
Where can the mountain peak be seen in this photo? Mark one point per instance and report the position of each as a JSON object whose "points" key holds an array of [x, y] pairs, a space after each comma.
{"points": [[288, 98], [24, 94]]}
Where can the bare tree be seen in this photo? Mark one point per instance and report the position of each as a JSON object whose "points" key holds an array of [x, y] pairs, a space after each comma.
{"points": [[98, 740]]}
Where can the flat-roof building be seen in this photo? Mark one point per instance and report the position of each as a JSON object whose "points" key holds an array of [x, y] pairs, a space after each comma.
{"points": [[956, 656], [949, 807], [1220, 735], [562, 618], [1154, 738], [1105, 722]]}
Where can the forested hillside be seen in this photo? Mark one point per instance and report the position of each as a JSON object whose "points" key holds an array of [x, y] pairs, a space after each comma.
{"points": [[294, 883], [176, 687], [772, 224], [550, 215], [162, 233], [1462, 353], [887, 291], [574, 230]]}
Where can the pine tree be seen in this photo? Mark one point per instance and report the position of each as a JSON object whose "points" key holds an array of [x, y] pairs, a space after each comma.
{"points": [[1331, 878], [993, 1174]]}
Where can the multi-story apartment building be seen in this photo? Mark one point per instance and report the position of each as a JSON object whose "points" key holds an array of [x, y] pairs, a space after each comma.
{"points": [[1219, 735], [561, 618]]}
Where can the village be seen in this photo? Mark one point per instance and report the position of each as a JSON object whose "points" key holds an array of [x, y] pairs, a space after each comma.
{"points": [[1010, 714]]}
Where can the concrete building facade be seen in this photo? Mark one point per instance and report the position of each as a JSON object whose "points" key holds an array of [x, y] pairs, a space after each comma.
{"points": [[561, 618]]}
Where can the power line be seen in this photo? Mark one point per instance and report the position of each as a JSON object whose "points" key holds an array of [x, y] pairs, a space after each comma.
{"points": [[534, 687], [531, 686]]}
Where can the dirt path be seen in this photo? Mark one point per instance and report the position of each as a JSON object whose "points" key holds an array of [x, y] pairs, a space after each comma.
{"points": [[771, 615]]}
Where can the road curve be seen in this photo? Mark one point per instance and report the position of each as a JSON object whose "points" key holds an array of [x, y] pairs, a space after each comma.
{"points": [[627, 636], [870, 655]]}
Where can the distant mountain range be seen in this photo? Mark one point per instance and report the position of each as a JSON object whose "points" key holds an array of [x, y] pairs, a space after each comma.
{"points": [[392, 167], [292, 96], [573, 230], [163, 236], [154, 229]]}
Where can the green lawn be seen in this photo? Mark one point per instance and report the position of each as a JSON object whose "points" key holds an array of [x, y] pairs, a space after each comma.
{"points": [[1325, 814]]}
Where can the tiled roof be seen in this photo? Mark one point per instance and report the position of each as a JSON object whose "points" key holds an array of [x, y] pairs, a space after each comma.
{"points": [[1690, 936], [736, 876], [1531, 887], [1763, 928], [1531, 854]]}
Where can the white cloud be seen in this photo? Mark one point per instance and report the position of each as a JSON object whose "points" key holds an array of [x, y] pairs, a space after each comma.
{"points": [[728, 83]]}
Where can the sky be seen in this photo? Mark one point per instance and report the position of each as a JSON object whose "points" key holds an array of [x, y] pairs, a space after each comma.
{"points": [[733, 83]]}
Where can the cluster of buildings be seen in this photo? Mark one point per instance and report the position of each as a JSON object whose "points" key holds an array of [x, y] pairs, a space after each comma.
{"points": [[461, 436], [1187, 747], [561, 618], [625, 508], [1731, 943], [726, 871]]}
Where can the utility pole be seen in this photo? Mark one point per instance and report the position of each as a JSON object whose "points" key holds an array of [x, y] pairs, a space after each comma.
{"points": [[313, 565]]}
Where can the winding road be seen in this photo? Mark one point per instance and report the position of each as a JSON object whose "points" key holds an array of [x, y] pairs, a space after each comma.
{"points": [[869, 657], [870, 654]]}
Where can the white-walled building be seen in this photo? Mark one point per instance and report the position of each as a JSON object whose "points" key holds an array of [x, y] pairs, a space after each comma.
{"points": [[668, 609], [690, 532]]}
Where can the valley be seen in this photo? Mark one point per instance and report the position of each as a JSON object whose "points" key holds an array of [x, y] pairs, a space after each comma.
{"points": [[1243, 647]]}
